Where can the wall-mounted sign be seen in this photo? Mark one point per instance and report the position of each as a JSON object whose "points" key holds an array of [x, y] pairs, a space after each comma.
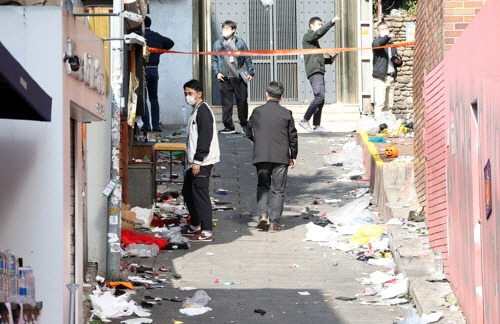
{"points": [[410, 32], [89, 72], [487, 189]]}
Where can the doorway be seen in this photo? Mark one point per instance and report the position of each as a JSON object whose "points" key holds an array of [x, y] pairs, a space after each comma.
{"points": [[278, 26]]}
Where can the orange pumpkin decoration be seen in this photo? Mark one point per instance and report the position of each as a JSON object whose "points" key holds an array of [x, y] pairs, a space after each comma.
{"points": [[391, 151]]}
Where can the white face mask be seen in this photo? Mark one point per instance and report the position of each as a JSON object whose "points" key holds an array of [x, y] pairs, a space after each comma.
{"points": [[226, 33], [384, 32], [190, 100]]}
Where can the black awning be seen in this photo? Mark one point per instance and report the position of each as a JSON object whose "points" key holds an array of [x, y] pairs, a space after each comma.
{"points": [[20, 96]]}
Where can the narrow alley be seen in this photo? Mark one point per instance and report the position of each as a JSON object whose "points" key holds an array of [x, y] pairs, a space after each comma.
{"points": [[244, 269]]}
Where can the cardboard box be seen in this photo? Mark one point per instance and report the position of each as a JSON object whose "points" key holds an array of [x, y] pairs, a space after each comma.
{"points": [[128, 218]]}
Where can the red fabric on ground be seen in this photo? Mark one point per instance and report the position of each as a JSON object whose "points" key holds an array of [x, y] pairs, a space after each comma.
{"points": [[129, 237]]}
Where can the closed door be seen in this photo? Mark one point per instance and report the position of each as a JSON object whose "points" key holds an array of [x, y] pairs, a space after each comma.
{"points": [[279, 26]]}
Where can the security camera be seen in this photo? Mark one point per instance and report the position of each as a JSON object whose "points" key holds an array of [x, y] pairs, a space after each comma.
{"points": [[74, 62]]}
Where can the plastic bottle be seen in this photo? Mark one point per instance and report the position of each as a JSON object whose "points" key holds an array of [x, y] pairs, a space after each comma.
{"points": [[2, 277], [22, 282], [30, 292], [438, 263], [185, 116], [11, 274]]}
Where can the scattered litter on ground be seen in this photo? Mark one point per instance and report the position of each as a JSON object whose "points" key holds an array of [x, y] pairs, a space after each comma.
{"points": [[137, 321], [187, 288], [260, 311], [412, 318], [346, 298], [196, 305], [304, 293], [105, 305], [194, 311]]}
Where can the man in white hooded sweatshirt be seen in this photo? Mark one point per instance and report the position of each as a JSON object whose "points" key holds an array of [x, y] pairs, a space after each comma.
{"points": [[202, 153]]}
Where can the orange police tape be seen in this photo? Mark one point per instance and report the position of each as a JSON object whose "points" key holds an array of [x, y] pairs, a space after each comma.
{"points": [[283, 51]]}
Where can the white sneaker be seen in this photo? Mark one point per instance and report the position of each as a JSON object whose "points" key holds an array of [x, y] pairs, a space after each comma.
{"points": [[320, 129], [305, 125]]}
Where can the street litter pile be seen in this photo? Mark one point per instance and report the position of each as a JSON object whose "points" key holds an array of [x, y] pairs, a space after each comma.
{"points": [[356, 230], [388, 131], [111, 300]]}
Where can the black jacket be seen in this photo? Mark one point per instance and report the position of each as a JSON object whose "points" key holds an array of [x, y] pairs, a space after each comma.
{"points": [[155, 40], [315, 63], [380, 57], [272, 130]]}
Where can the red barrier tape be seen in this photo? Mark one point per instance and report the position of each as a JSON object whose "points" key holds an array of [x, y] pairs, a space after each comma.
{"points": [[283, 51]]}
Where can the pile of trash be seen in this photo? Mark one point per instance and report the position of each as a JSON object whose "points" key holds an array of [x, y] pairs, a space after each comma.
{"points": [[353, 229], [387, 125], [111, 300]]}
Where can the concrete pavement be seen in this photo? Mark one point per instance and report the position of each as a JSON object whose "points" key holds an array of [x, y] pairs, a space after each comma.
{"points": [[263, 270]]}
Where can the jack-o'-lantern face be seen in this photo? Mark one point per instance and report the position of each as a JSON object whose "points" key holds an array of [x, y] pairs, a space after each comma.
{"points": [[391, 151]]}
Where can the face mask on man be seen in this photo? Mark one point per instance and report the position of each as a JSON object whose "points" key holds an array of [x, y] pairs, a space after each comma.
{"points": [[227, 32], [384, 32], [190, 100]]}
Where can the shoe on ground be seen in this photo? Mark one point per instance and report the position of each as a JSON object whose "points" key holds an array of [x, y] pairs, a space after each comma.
{"points": [[157, 129], [320, 129], [227, 131], [263, 221], [275, 228], [201, 237], [188, 231], [305, 125]]}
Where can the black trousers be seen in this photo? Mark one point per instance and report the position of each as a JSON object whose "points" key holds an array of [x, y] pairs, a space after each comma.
{"points": [[271, 189], [197, 197], [238, 88]]}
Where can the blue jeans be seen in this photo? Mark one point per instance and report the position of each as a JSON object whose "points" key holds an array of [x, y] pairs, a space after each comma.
{"points": [[317, 81], [271, 189], [152, 93]]}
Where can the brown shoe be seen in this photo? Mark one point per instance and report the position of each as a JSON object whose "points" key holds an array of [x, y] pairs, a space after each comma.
{"points": [[263, 221], [275, 228]]}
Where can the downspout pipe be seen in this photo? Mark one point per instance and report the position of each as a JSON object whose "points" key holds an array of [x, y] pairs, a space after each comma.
{"points": [[115, 197]]}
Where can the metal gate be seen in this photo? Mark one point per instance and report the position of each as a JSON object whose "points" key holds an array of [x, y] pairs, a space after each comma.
{"points": [[279, 26]]}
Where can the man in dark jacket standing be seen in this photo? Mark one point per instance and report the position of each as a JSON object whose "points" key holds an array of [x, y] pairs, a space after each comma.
{"points": [[232, 77], [153, 39], [272, 130], [385, 64], [315, 70]]}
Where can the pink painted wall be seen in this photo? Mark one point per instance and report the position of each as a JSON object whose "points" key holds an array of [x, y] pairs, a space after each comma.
{"points": [[472, 100], [436, 119]]}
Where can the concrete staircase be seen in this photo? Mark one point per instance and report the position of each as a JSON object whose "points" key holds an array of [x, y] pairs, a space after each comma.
{"points": [[335, 117]]}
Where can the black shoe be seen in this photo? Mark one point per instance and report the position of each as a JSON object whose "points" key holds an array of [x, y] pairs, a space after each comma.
{"points": [[145, 129], [227, 131], [157, 130]]}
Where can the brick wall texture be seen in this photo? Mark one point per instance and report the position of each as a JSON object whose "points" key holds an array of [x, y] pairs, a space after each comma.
{"points": [[439, 23]]}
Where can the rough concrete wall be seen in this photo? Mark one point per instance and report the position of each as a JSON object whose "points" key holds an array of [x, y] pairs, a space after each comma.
{"points": [[403, 92]]}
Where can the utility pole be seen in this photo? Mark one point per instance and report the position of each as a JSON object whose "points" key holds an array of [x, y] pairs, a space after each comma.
{"points": [[115, 198]]}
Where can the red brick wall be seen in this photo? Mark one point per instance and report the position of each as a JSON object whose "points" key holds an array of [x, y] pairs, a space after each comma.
{"points": [[429, 51], [439, 24], [457, 15]]}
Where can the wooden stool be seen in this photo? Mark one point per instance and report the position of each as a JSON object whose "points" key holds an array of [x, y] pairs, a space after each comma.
{"points": [[168, 147]]}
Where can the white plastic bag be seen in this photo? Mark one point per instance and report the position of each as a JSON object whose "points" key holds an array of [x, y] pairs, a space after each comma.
{"points": [[367, 124], [143, 216], [347, 214], [142, 250], [412, 318], [199, 299]]}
